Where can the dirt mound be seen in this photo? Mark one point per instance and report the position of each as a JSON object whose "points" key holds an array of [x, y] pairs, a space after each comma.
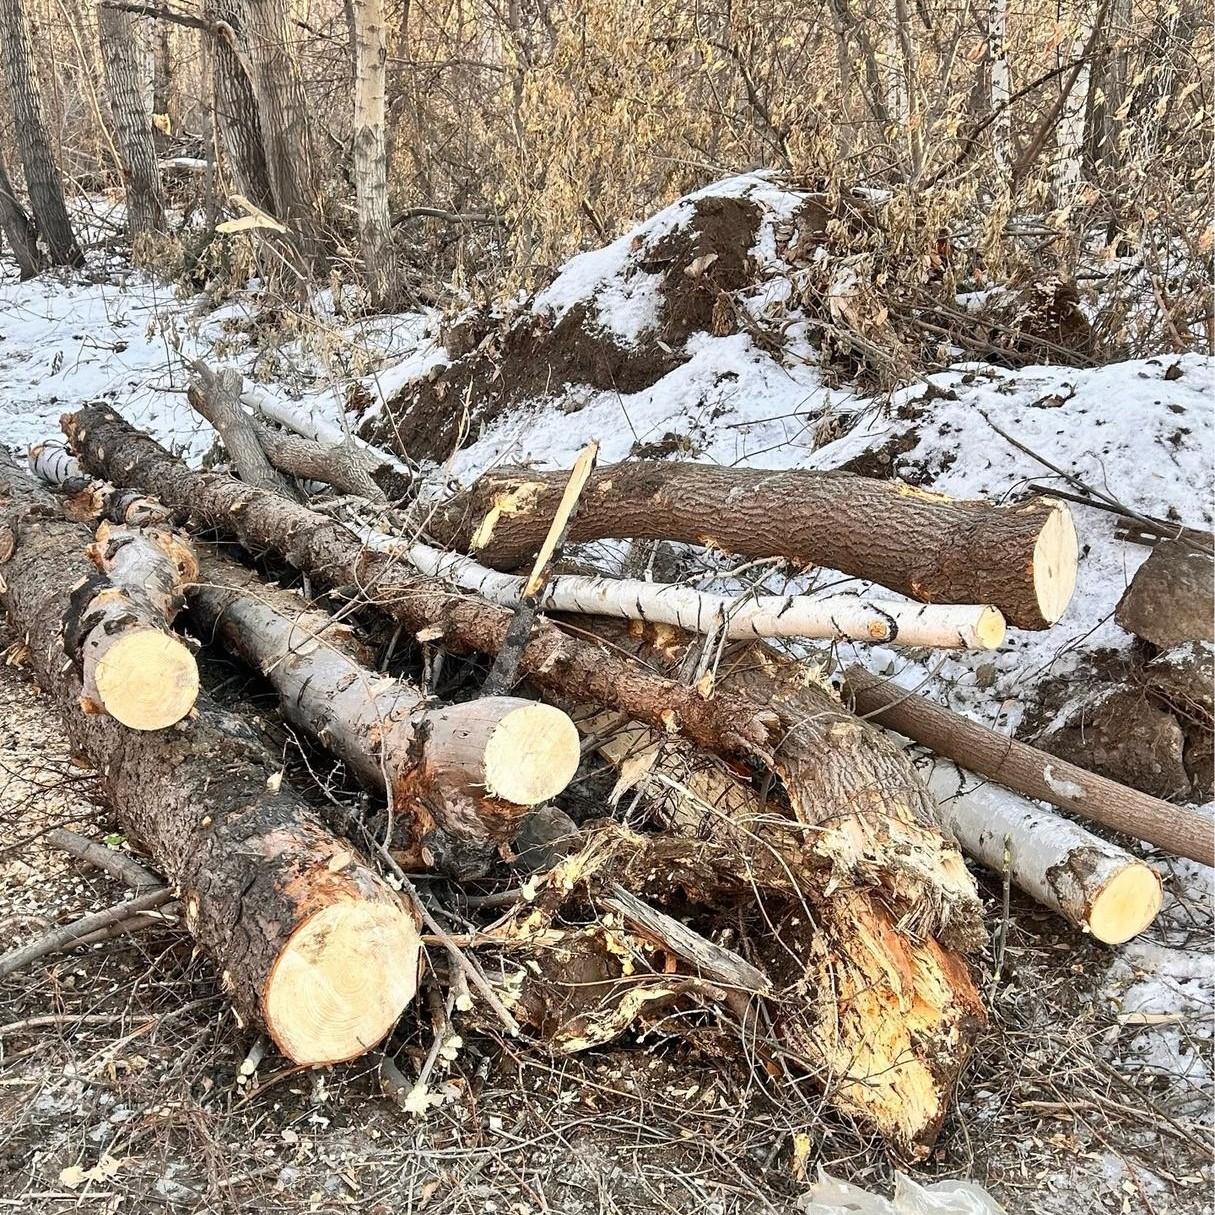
{"points": [[676, 282]]}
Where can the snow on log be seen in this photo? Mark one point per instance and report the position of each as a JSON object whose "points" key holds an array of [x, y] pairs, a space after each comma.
{"points": [[1021, 558], [887, 1015], [1033, 773], [333, 556], [118, 627], [306, 938], [835, 617], [471, 769], [1092, 884]]}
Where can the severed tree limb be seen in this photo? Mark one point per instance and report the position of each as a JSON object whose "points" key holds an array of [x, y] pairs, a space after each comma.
{"points": [[110, 860], [334, 557], [1021, 558], [1030, 772], [1091, 883], [836, 617], [307, 939], [52, 462], [464, 774], [118, 627]]}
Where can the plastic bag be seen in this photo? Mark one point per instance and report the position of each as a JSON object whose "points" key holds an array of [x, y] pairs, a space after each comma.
{"points": [[827, 1196]]}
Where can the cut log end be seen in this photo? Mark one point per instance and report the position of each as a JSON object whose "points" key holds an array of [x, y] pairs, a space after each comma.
{"points": [[341, 982], [1055, 559], [1126, 905], [147, 679], [990, 629], [532, 755]]}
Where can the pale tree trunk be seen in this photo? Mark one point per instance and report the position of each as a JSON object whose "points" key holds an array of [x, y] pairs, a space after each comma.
{"points": [[282, 110], [42, 179], [1001, 88], [1069, 160], [370, 47], [19, 228], [162, 81], [121, 58], [236, 106], [911, 113]]}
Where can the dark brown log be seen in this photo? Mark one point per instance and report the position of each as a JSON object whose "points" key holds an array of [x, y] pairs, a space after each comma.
{"points": [[1025, 769], [333, 556], [460, 778], [305, 936], [1021, 558]]}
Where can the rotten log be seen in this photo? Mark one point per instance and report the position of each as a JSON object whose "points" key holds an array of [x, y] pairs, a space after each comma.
{"points": [[1030, 772], [334, 557], [118, 627], [469, 771], [306, 938], [832, 617], [1091, 883], [1021, 558]]}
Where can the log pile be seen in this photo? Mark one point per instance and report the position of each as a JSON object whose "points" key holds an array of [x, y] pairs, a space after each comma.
{"points": [[772, 872]]}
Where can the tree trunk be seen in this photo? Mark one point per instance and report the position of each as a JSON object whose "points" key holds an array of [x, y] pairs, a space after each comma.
{"points": [[335, 557], [118, 629], [18, 227], [162, 83], [306, 938], [1093, 884], [282, 110], [42, 179], [1031, 772], [120, 55], [1070, 133], [1001, 88], [368, 38], [834, 617], [236, 105], [464, 775], [1020, 558]]}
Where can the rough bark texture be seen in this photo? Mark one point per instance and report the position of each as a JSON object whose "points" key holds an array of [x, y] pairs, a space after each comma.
{"points": [[334, 557], [42, 179], [431, 759], [368, 37], [18, 227], [249, 861], [125, 70], [1031, 772], [925, 545], [236, 105]]}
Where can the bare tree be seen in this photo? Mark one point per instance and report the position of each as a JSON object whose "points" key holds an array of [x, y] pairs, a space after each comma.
{"points": [[370, 47], [121, 56], [1001, 87], [42, 179], [18, 227]]}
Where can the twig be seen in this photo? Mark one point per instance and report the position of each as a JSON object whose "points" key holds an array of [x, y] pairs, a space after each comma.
{"points": [[109, 860]]}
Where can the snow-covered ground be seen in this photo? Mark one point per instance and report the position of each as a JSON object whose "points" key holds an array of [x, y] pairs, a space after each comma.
{"points": [[1143, 431]]}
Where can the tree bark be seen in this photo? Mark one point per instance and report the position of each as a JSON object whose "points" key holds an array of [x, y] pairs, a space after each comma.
{"points": [[42, 179], [335, 557], [368, 38], [18, 227], [121, 57], [306, 938], [1092, 884], [463, 775], [834, 617], [1031, 772], [118, 629], [1001, 88], [236, 104], [1020, 558]]}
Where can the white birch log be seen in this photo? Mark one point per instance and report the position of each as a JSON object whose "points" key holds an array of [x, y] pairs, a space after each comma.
{"points": [[50, 461], [1092, 884], [854, 617]]}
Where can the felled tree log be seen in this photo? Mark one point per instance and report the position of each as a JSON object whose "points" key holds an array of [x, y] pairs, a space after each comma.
{"points": [[84, 499], [1020, 558], [1033, 773], [333, 556], [1091, 883], [470, 770], [857, 617], [306, 938], [118, 627]]}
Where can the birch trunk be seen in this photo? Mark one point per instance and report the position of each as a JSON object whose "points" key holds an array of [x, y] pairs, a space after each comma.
{"points": [[1070, 135], [1001, 88], [122, 60], [306, 937]]}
